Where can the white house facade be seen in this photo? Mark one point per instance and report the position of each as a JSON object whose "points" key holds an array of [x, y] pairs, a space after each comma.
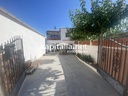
{"points": [[33, 41], [55, 37]]}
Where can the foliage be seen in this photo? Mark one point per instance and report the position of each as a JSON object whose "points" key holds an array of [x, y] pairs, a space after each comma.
{"points": [[120, 28], [104, 15], [86, 58], [80, 36]]}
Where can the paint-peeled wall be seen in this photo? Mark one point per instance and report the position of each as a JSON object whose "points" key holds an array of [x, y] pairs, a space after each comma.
{"points": [[33, 42]]}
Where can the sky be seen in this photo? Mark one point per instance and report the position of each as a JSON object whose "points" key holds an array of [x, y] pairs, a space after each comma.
{"points": [[42, 15]]}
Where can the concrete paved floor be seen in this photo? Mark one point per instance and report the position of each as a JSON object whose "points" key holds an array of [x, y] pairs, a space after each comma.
{"points": [[65, 75]]}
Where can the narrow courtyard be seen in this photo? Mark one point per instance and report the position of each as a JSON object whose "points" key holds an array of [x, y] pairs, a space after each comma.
{"points": [[65, 75]]}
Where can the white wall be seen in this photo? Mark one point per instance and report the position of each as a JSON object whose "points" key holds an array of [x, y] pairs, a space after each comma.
{"points": [[64, 39], [63, 34], [51, 42], [89, 50], [33, 43]]}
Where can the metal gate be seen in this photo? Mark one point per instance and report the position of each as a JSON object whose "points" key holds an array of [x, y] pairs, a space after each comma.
{"points": [[11, 66], [113, 61]]}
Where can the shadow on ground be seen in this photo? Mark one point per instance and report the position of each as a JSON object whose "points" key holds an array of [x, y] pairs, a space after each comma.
{"points": [[51, 53], [82, 80], [47, 61], [44, 82]]}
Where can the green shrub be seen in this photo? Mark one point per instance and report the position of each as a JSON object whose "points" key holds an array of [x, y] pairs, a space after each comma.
{"points": [[78, 54], [86, 58]]}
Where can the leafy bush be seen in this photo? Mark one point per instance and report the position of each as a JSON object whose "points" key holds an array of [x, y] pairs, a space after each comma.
{"points": [[86, 58], [79, 55]]}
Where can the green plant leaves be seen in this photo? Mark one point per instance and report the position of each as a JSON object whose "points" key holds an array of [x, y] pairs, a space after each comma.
{"points": [[104, 15]]}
